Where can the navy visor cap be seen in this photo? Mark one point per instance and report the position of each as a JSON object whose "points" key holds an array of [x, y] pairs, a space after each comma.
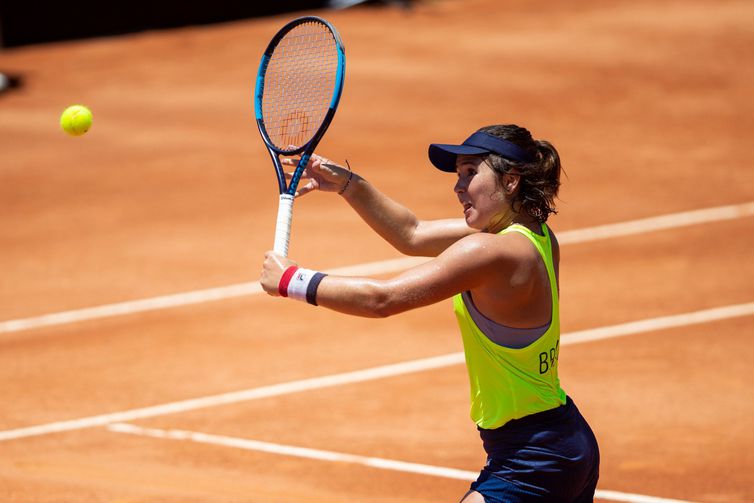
{"points": [[444, 156]]}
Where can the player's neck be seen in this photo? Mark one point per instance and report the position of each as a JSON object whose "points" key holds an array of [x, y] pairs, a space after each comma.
{"points": [[528, 221], [520, 218]]}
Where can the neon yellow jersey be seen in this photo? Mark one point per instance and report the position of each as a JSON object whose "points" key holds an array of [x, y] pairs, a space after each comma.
{"points": [[508, 383]]}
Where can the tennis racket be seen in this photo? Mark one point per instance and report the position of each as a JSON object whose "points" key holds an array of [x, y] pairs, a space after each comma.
{"points": [[298, 88]]}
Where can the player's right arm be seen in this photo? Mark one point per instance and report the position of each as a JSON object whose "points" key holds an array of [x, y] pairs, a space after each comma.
{"points": [[395, 223]]}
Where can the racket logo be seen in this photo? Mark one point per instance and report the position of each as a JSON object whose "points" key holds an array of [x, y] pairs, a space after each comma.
{"points": [[295, 126]]}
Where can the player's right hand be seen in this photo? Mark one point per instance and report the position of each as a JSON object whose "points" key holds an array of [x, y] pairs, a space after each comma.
{"points": [[273, 267]]}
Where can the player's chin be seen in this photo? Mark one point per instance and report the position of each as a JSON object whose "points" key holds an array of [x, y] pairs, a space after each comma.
{"points": [[477, 221], [472, 219]]}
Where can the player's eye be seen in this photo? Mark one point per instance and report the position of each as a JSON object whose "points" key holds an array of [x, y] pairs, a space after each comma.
{"points": [[466, 170]]}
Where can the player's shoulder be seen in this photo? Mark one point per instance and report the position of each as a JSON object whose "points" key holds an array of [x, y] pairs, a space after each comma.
{"points": [[511, 245]]}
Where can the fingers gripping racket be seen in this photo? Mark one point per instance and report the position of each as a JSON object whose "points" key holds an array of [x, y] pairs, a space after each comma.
{"points": [[298, 87]]}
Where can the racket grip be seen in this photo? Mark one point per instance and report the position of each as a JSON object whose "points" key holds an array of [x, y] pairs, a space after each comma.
{"points": [[283, 225]]}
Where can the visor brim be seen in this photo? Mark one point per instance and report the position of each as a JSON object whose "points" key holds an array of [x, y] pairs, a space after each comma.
{"points": [[443, 156]]}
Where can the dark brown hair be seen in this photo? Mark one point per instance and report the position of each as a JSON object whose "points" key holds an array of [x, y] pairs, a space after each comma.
{"points": [[540, 179]]}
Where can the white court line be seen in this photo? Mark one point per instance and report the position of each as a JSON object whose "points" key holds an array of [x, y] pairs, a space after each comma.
{"points": [[663, 222], [370, 374], [188, 298], [339, 457], [644, 225]]}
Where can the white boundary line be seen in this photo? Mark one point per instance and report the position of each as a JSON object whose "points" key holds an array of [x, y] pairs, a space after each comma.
{"points": [[662, 222], [239, 396], [187, 298], [652, 224], [289, 450], [339, 457], [595, 334]]}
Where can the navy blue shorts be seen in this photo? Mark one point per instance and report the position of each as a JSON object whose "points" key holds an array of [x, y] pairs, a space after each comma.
{"points": [[548, 456]]}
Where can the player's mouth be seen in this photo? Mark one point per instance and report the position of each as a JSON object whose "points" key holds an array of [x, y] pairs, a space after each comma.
{"points": [[466, 207]]}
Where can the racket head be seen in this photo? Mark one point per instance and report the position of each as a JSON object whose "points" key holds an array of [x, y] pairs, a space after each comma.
{"points": [[299, 84]]}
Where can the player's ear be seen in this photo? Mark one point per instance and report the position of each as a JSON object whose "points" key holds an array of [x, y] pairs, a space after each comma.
{"points": [[511, 183]]}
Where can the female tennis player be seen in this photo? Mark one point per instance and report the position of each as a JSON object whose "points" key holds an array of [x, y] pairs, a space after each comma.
{"points": [[499, 263]]}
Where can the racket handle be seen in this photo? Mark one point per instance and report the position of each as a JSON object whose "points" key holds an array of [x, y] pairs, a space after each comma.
{"points": [[283, 225]]}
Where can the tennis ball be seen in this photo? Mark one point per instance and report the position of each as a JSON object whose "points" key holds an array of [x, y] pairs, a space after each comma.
{"points": [[76, 120]]}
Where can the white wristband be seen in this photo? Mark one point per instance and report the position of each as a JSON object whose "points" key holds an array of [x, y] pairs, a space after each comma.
{"points": [[299, 283]]}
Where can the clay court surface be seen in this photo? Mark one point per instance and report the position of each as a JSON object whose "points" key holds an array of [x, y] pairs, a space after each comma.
{"points": [[178, 389]]}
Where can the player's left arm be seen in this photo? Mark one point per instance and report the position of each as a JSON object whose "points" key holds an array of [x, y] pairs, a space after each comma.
{"points": [[393, 221], [466, 264]]}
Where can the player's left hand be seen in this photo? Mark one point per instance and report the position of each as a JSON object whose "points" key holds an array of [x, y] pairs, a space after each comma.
{"points": [[272, 270], [321, 173]]}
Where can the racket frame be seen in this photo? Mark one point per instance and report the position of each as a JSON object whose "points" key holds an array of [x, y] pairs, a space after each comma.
{"points": [[288, 191]]}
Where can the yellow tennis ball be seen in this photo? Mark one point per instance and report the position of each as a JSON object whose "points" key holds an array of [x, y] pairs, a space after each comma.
{"points": [[76, 120]]}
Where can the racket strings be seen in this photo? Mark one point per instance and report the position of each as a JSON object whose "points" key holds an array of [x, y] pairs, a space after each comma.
{"points": [[299, 84]]}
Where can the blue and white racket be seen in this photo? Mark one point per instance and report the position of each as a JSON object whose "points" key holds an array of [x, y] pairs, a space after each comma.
{"points": [[298, 88]]}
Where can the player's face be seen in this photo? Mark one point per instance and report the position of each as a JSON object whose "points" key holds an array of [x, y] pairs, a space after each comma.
{"points": [[485, 206]]}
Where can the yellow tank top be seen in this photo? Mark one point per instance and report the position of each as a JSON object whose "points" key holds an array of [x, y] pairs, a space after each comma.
{"points": [[508, 383]]}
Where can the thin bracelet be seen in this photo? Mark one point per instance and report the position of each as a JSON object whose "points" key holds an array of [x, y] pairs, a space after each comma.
{"points": [[350, 175]]}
